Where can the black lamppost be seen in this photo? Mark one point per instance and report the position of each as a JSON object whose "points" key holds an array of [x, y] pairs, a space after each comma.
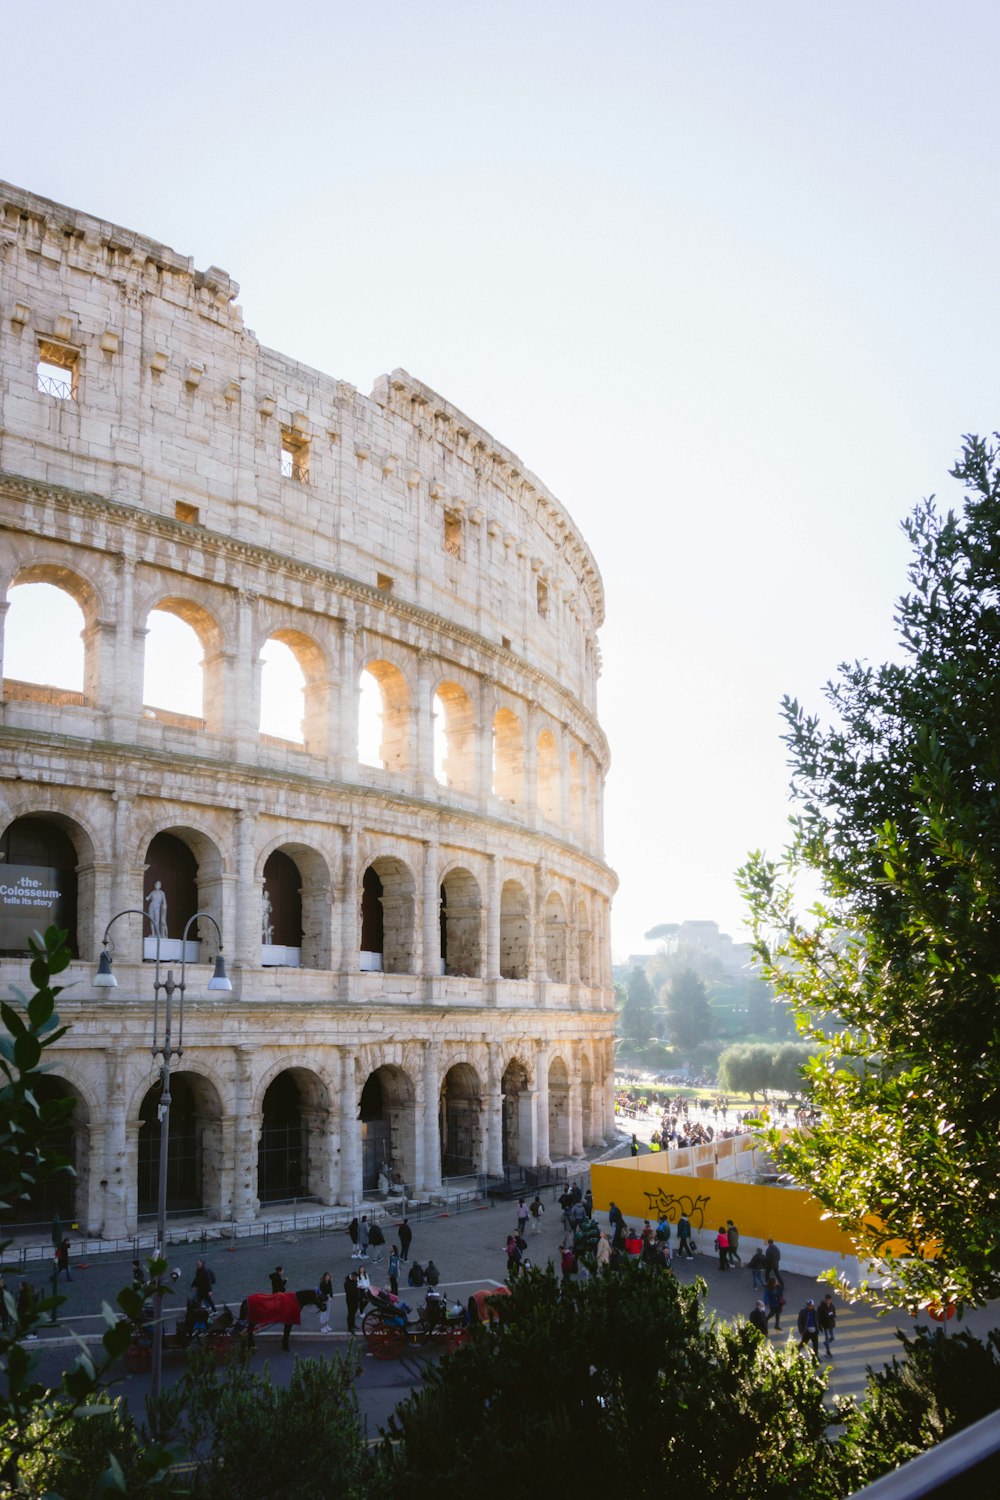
{"points": [[163, 1046]]}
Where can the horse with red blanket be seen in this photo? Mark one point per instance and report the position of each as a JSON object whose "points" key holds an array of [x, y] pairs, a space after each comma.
{"points": [[261, 1308]]}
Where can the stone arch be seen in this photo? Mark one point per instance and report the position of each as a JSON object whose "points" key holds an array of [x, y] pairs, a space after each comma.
{"points": [[584, 943], [195, 1156], [210, 634], [547, 776], [52, 853], [86, 597], [63, 1193], [296, 905], [508, 756], [517, 1125], [461, 923], [395, 712], [556, 938], [515, 931], [189, 866], [559, 1123], [388, 896], [294, 1137], [388, 1127], [456, 719], [310, 658], [461, 1117]]}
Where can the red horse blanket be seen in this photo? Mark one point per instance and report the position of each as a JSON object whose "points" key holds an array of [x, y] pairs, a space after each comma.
{"points": [[273, 1307]]}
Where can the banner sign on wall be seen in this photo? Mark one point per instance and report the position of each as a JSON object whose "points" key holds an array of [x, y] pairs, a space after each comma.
{"points": [[29, 902]]}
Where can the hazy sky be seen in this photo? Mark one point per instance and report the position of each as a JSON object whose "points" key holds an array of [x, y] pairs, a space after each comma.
{"points": [[724, 275]]}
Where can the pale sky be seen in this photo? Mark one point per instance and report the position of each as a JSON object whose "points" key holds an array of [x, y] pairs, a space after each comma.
{"points": [[724, 275]]}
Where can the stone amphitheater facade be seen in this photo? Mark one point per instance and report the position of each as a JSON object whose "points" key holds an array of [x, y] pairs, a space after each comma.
{"points": [[420, 961]]}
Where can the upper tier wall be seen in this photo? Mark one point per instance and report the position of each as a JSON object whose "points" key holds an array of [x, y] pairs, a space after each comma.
{"points": [[178, 409]]}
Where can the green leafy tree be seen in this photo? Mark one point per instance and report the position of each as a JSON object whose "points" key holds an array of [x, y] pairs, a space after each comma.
{"points": [[618, 1380], [899, 813], [746, 1068], [688, 1016], [637, 1014]]}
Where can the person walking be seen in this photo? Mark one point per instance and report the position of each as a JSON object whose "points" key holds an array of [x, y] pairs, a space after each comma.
{"points": [[758, 1270], [522, 1217], [405, 1237], [353, 1230], [364, 1235], [758, 1319], [772, 1263], [376, 1242], [62, 1258], [324, 1297], [202, 1283], [722, 1246], [392, 1271], [353, 1296], [279, 1281], [809, 1328], [774, 1300], [536, 1208], [684, 1246], [735, 1259], [138, 1276], [827, 1316]]}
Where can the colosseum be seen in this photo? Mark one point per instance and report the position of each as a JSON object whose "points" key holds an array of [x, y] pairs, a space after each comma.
{"points": [[416, 928]]}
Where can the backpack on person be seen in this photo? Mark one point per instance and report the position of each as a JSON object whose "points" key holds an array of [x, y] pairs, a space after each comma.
{"points": [[376, 1237]]}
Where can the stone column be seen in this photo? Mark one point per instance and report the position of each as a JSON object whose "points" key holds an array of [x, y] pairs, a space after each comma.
{"points": [[118, 1163], [241, 935], [346, 730], [494, 1115], [430, 1125], [244, 730], [492, 917], [485, 714], [350, 904], [429, 961], [245, 1139], [120, 676], [575, 1113], [351, 1191], [537, 956], [424, 747], [541, 1152]]}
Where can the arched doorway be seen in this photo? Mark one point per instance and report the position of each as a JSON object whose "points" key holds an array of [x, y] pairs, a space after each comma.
{"points": [[194, 1149], [461, 1124], [39, 862], [387, 917], [387, 1127], [516, 1114], [282, 1165], [281, 921]]}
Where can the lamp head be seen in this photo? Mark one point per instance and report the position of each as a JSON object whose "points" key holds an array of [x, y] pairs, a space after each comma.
{"points": [[104, 979], [220, 979]]}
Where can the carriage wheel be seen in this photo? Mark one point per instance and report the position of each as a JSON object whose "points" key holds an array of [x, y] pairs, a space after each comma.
{"points": [[386, 1342], [370, 1322]]}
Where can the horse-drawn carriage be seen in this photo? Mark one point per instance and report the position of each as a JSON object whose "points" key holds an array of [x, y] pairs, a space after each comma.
{"points": [[391, 1326], [201, 1327]]}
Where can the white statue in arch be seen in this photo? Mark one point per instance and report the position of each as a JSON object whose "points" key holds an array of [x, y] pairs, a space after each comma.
{"points": [[266, 925], [157, 903]]}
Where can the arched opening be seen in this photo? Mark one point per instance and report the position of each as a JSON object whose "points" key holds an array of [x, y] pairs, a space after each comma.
{"points": [[387, 917], [281, 914], [454, 738], [515, 931], [547, 775], [508, 756], [44, 653], [555, 938], [516, 1114], [461, 925], [559, 1134], [63, 1193], [194, 1147], [173, 683], [461, 1122], [282, 693], [383, 717], [388, 1129], [39, 864], [282, 1156], [170, 894]]}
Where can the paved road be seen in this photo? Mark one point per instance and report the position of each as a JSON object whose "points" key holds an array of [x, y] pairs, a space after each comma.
{"points": [[468, 1250]]}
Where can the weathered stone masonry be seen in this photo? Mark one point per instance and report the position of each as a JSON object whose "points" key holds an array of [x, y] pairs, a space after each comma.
{"points": [[436, 994]]}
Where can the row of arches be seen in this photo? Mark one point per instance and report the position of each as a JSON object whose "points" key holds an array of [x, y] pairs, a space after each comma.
{"points": [[410, 717], [388, 1134], [511, 932]]}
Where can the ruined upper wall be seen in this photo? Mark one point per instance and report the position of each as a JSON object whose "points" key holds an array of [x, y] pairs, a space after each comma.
{"points": [[178, 409]]}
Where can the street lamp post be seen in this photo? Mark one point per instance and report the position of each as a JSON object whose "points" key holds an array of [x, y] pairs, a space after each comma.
{"points": [[164, 1047]]}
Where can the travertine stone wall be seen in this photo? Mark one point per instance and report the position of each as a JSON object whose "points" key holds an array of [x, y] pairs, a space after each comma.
{"points": [[174, 463]]}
